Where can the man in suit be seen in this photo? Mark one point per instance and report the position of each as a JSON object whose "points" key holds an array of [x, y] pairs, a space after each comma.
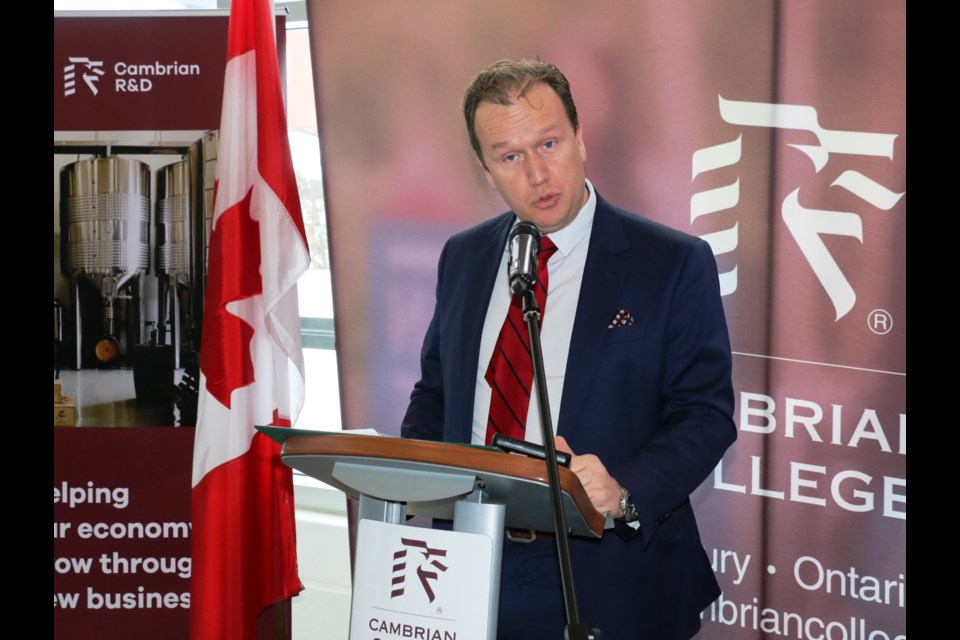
{"points": [[637, 359]]}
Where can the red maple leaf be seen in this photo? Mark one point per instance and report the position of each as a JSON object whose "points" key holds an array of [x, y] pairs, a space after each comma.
{"points": [[233, 273]]}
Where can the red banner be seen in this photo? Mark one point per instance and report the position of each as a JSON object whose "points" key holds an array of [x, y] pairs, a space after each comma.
{"points": [[138, 72], [121, 533], [122, 521]]}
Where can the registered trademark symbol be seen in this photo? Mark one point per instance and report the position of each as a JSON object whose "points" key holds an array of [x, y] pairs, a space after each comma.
{"points": [[439, 611], [880, 322]]}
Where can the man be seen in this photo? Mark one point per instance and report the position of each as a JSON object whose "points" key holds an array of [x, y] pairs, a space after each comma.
{"points": [[637, 358]]}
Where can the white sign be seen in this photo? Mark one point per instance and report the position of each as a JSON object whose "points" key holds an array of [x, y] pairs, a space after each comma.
{"points": [[420, 583]]}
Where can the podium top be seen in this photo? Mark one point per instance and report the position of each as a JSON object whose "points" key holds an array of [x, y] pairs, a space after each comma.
{"points": [[430, 476]]}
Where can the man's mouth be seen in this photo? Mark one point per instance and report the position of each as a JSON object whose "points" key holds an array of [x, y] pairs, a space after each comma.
{"points": [[546, 201]]}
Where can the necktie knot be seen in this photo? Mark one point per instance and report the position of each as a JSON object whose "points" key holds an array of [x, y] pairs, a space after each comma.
{"points": [[547, 248]]}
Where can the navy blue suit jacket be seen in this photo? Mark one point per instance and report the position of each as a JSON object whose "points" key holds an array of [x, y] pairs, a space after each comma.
{"points": [[653, 400]]}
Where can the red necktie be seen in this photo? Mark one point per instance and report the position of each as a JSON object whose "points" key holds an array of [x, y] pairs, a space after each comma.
{"points": [[510, 372]]}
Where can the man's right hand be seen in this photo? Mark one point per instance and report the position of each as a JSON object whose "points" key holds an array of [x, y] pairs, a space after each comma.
{"points": [[601, 488]]}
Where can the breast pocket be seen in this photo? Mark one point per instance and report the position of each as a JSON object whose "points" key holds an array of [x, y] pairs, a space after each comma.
{"points": [[628, 333]]}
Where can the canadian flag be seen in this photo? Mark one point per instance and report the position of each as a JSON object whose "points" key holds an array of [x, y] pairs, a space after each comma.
{"points": [[251, 360]]}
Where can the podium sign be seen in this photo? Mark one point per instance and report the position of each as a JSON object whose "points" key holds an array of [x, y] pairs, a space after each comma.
{"points": [[420, 583]]}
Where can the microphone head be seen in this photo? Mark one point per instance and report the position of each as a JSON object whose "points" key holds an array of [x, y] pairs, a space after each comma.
{"points": [[523, 226], [524, 245]]}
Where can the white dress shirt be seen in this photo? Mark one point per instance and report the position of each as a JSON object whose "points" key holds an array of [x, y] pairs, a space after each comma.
{"points": [[565, 276]]}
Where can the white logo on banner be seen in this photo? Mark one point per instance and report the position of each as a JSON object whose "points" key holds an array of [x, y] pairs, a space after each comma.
{"points": [[92, 71], [807, 226], [128, 77]]}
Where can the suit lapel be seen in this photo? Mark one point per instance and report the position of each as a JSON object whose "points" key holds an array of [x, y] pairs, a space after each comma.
{"points": [[602, 283], [474, 300]]}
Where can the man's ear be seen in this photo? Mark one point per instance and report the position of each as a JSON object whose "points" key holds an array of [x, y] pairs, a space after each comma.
{"points": [[580, 146], [486, 173]]}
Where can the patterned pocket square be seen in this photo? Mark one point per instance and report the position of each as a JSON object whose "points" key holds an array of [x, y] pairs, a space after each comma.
{"points": [[623, 318]]}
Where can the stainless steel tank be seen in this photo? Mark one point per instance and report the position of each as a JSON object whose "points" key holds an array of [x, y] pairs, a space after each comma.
{"points": [[105, 240], [173, 221], [105, 220], [173, 251]]}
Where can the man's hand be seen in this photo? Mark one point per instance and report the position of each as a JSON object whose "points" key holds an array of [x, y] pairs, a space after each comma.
{"points": [[602, 489]]}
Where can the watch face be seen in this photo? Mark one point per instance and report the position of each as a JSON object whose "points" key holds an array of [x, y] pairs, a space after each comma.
{"points": [[626, 505], [631, 511]]}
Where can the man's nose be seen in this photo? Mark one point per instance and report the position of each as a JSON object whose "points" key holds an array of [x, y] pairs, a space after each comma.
{"points": [[537, 171]]}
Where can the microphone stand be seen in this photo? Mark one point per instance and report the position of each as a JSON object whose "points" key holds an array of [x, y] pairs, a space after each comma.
{"points": [[575, 630]]}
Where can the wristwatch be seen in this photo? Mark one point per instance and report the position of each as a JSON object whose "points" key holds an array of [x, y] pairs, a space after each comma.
{"points": [[627, 507]]}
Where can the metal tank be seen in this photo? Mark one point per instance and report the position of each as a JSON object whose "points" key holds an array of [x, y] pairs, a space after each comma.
{"points": [[105, 250], [173, 250], [173, 220]]}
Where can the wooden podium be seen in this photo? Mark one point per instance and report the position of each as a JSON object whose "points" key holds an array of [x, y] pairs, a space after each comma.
{"points": [[481, 489]]}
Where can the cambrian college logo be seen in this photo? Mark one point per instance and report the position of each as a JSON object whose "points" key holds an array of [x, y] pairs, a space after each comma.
{"points": [[92, 71], [807, 226], [426, 571]]}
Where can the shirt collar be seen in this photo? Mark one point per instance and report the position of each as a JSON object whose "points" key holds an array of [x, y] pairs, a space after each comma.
{"points": [[570, 236]]}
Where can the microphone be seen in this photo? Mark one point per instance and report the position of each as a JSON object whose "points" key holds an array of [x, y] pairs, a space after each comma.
{"points": [[524, 244]]}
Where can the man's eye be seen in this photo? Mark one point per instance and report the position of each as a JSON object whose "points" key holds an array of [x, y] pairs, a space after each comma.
{"points": [[549, 144], [510, 157]]}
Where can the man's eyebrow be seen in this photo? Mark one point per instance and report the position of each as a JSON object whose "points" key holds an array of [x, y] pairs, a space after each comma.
{"points": [[542, 132]]}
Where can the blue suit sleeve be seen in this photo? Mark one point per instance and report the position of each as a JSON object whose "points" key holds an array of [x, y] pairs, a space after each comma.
{"points": [[425, 414], [696, 424]]}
